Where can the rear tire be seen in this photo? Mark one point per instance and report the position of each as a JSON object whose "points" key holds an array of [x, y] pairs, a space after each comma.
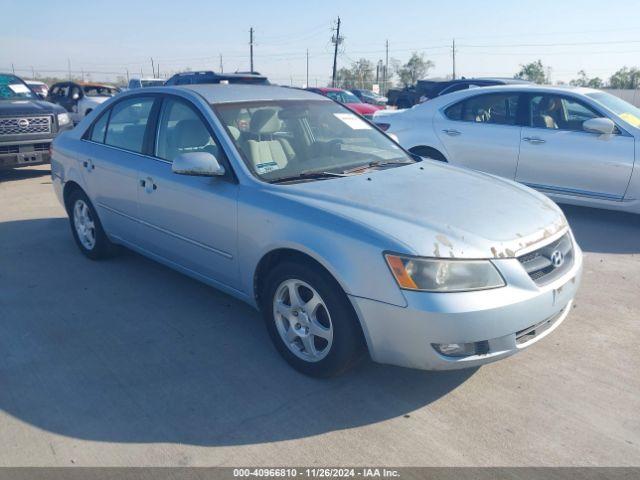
{"points": [[86, 227], [310, 320]]}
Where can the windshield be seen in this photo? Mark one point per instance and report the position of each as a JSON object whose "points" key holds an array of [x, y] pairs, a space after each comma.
{"points": [[152, 83], [342, 97], [623, 109], [12, 88], [99, 91], [281, 139]]}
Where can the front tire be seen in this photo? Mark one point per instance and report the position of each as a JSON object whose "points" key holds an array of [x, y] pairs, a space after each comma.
{"points": [[86, 227], [310, 320]]}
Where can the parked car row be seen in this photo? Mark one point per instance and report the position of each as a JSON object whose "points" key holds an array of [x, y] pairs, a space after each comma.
{"points": [[424, 90], [343, 239], [349, 100], [357, 224]]}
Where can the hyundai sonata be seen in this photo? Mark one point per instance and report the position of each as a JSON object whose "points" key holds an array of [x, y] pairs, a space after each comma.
{"points": [[292, 203]]}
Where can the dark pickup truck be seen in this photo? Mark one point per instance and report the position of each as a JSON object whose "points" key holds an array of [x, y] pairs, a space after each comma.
{"points": [[425, 89], [28, 124]]}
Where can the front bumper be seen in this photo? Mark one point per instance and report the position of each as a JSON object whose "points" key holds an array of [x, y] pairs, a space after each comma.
{"points": [[404, 336], [22, 154]]}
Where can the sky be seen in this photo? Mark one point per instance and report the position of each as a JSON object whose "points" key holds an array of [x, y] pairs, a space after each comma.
{"points": [[104, 39]]}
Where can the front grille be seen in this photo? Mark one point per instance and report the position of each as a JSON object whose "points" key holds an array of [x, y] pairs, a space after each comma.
{"points": [[41, 147], [9, 149], [549, 262], [25, 125], [25, 148]]}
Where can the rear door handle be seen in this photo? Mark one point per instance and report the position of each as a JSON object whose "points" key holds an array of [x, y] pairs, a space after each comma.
{"points": [[534, 140], [451, 132]]}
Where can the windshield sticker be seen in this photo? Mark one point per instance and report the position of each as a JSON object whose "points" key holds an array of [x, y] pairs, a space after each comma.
{"points": [[631, 118], [353, 121], [267, 167], [19, 88]]}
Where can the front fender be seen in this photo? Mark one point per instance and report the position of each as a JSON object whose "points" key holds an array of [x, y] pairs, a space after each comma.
{"points": [[350, 252]]}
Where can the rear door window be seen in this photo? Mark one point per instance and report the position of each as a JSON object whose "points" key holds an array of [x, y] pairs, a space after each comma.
{"points": [[494, 108]]}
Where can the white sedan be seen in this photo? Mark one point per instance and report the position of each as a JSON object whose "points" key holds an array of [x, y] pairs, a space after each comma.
{"points": [[577, 145]]}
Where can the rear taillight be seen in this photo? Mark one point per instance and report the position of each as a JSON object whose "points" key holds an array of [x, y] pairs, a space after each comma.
{"points": [[383, 126]]}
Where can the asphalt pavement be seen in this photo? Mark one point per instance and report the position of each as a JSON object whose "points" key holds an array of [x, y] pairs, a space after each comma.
{"points": [[127, 363]]}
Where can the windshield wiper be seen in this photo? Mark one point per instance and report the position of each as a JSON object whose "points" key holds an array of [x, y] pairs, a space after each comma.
{"points": [[375, 163], [308, 175]]}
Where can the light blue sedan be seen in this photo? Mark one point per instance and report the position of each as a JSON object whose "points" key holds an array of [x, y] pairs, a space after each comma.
{"points": [[296, 205]]}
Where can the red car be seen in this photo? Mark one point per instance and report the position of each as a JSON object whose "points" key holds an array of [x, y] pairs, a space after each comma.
{"points": [[349, 100]]}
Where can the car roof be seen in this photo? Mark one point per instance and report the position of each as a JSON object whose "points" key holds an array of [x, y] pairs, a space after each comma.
{"points": [[453, 97], [230, 93]]}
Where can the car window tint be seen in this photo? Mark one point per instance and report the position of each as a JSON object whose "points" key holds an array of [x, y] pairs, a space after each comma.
{"points": [[559, 113], [454, 112], [495, 108], [181, 130], [128, 123], [100, 128]]}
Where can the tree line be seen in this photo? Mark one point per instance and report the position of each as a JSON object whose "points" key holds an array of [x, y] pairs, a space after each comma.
{"points": [[624, 78], [364, 74]]}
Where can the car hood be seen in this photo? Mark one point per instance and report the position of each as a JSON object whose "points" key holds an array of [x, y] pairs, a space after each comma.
{"points": [[363, 108], [436, 210], [28, 107]]}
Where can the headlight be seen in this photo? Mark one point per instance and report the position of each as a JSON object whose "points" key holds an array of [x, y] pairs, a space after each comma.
{"points": [[63, 119], [441, 275]]}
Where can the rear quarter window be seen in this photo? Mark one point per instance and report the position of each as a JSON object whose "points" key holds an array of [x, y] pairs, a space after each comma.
{"points": [[454, 112]]}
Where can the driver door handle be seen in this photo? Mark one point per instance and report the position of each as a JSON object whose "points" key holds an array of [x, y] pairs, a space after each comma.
{"points": [[534, 140], [451, 132], [148, 184]]}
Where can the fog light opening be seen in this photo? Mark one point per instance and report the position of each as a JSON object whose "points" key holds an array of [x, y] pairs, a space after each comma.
{"points": [[461, 349]]}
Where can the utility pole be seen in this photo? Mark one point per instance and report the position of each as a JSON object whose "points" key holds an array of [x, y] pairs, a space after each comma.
{"points": [[127, 70], [69, 67], [13, 69], [251, 47], [307, 83], [336, 39], [153, 69], [386, 67], [453, 53], [33, 73], [221, 66]]}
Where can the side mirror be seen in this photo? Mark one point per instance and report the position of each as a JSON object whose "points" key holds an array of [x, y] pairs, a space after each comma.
{"points": [[603, 126], [201, 164], [41, 96]]}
